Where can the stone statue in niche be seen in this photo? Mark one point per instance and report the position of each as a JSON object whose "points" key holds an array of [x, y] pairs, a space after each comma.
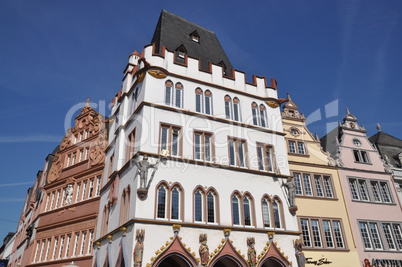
{"points": [[251, 253], [143, 167], [69, 194], [139, 247], [301, 260], [204, 250], [291, 191]]}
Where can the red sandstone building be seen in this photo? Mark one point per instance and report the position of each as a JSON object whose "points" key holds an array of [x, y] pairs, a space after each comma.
{"points": [[69, 202]]}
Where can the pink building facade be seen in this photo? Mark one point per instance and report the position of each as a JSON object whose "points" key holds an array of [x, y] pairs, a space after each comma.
{"points": [[374, 210]]}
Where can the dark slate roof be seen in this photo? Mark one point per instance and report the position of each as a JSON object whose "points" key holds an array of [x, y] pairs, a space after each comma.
{"points": [[388, 145], [173, 31]]}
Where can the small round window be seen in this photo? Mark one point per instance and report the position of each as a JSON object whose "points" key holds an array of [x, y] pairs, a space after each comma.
{"points": [[357, 142], [294, 132]]}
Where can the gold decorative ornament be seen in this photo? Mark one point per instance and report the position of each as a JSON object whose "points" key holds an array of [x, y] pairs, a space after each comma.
{"points": [[272, 103], [157, 73]]}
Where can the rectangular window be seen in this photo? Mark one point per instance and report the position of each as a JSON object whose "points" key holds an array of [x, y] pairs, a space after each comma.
{"points": [[388, 236], [171, 139], [68, 243], [360, 190], [55, 246], [376, 191], [74, 158], [237, 152], [318, 186], [306, 232], [61, 247], [83, 240], [202, 146], [86, 134], [198, 102], [307, 184], [375, 235], [36, 251], [328, 234], [398, 235], [77, 192], [316, 233], [90, 241], [47, 201], [296, 147], [68, 160], [298, 183], [81, 155], [98, 185], [338, 234], [84, 189], [86, 153], [385, 192], [363, 190], [91, 188], [265, 157], [77, 237], [365, 235], [328, 187], [313, 229], [57, 199], [353, 189], [361, 156]]}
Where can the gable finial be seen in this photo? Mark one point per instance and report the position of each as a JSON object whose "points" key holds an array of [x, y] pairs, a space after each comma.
{"points": [[379, 127], [87, 102], [347, 111]]}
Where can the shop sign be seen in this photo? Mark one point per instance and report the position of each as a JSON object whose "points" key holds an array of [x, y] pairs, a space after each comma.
{"points": [[318, 262], [382, 263]]}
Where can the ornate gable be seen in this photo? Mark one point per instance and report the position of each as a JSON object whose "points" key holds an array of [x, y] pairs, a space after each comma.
{"points": [[291, 111]]}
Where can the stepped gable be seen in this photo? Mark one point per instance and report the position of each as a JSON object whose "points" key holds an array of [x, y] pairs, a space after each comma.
{"points": [[176, 33]]}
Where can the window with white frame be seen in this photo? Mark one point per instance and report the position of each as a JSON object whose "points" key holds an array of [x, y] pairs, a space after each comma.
{"points": [[169, 93], [198, 205], [199, 100], [208, 102], [171, 139], [211, 210], [203, 146], [254, 111], [322, 233], [237, 152], [370, 190], [321, 186], [161, 208], [296, 147], [266, 212], [178, 97], [265, 154], [361, 156], [382, 236]]}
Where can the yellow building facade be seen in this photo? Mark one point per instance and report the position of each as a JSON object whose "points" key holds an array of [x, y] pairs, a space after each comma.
{"points": [[320, 207]]}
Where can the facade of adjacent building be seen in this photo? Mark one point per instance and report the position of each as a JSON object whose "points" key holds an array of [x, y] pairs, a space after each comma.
{"points": [[390, 149], [195, 161], [371, 199], [68, 205], [322, 213]]}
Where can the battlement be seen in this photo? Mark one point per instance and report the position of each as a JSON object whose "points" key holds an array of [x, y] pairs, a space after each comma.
{"points": [[186, 66]]}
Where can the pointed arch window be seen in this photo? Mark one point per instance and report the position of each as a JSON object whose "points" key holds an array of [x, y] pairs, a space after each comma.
{"points": [[254, 111], [198, 100], [168, 92], [161, 212], [228, 107], [208, 102], [277, 213], [247, 210], [211, 207], [266, 212], [175, 204], [236, 109], [195, 36], [236, 210], [263, 116], [198, 200], [181, 52], [178, 101]]}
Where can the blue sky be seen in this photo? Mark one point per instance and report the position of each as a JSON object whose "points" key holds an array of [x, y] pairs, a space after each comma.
{"points": [[328, 55]]}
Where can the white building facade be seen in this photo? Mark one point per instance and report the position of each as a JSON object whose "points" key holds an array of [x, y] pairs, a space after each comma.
{"points": [[213, 194]]}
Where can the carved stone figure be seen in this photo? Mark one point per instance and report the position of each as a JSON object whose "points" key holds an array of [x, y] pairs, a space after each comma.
{"points": [[251, 253], [139, 247], [69, 194], [301, 260], [204, 250], [143, 167], [291, 191]]}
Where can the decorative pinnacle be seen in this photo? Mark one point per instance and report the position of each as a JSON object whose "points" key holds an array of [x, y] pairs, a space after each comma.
{"points": [[87, 102], [379, 127]]}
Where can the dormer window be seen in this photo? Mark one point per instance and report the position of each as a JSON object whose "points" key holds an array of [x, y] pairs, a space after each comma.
{"points": [[195, 37], [181, 52], [223, 66]]}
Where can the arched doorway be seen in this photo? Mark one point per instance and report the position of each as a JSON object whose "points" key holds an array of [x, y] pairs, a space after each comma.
{"points": [[272, 262], [174, 260], [227, 261]]}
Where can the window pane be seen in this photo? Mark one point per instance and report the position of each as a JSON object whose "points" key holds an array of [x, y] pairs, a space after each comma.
{"points": [[364, 156], [197, 146], [316, 233], [265, 213], [307, 184], [208, 105], [235, 208], [161, 202], [276, 214], [262, 115], [328, 234], [305, 232], [385, 192], [255, 118], [247, 212], [260, 158], [198, 105], [175, 142], [318, 185], [300, 146], [298, 185], [207, 148], [376, 191], [178, 97], [227, 110], [168, 95], [268, 152], [211, 207], [292, 147], [357, 155], [338, 234], [353, 189], [241, 153], [375, 235], [363, 190], [231, 152], [198, 206], [164, 138], [175, 203], [388, 236], [398, 235], [328, 186], [236, 111]]}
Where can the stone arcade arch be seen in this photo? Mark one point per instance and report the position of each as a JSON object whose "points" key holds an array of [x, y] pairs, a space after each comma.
{"points": [[174, 259], [226, 261], [272, 262], [227, 256]]}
